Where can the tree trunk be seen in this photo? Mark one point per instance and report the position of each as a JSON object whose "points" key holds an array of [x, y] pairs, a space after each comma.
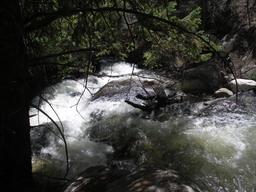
{"points": [[15, 157], [205, 13]]}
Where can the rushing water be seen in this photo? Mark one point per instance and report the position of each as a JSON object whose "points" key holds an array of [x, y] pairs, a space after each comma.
{"points": [[215, 151]]}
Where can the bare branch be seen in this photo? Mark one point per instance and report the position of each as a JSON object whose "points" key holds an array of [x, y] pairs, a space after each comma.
{"points": [[62, 135], [64, 53], [45, 100]]}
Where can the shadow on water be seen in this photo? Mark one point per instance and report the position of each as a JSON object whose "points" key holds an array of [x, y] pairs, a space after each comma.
{"points": [[205, 160]]}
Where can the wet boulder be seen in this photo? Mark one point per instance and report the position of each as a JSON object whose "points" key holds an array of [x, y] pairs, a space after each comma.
{"points": [[246, 104], [122, 89], [103, 179], [142, 94]]}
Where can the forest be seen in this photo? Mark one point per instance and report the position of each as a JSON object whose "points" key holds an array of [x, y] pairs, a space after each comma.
{"points": [[128, 95]]}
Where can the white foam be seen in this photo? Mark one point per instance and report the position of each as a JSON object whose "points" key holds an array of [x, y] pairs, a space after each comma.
{"points": [[121, 68], [76, 117]]}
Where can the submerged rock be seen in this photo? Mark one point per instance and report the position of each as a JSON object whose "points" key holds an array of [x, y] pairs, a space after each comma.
{"points": [[104, 179]]}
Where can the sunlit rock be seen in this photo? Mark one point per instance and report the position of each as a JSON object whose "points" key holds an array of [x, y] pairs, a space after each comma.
{"points": [[243, 85], [228, 45], [223, 92]]}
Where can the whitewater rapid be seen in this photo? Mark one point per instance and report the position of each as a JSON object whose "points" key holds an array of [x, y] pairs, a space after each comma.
{"points": [[216, 150], [70, 102]]}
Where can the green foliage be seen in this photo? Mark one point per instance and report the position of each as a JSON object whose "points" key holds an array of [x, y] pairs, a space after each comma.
{"points": [[165, 10], [174, 48], [151, 59], [193, 20], [116, 33]]}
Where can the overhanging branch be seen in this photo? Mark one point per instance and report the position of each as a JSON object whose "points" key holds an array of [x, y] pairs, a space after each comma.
{"points": [[44, 19], [64, 53]]}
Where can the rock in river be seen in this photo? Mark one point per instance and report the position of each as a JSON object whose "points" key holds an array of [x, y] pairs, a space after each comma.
{"points": [[223, 92], [243, 85], [142, 94], [103, 179], [205, 78]]}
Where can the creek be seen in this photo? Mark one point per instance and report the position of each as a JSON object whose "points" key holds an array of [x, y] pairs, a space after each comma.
{"points": [[212, 146]]}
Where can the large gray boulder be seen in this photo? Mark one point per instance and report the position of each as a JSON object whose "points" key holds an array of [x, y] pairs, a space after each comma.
{"points": [[142, 94], [125, 88], [243, 85]]}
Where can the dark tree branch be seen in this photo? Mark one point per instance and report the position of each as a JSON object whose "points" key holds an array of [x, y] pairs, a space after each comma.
{"points": [[62, 136], [128, 26], [45, 100], [46, 18], [65, 65], [248, 12], [64, 53]]}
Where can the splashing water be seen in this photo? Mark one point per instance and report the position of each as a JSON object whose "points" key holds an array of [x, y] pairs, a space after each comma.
{"points": [[216, 151], [75, 112]]}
